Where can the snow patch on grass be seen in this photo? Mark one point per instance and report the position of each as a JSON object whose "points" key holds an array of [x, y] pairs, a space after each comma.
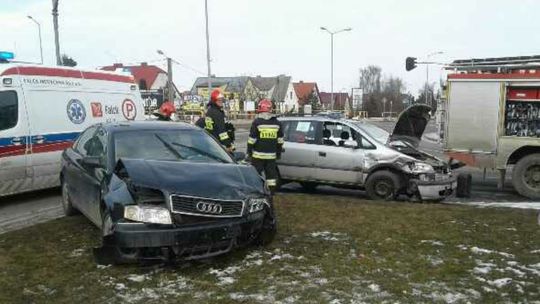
{"points": [[76, 253], [137, 278], [478, 250], [499, 283], [432, 242], [329, 236]]}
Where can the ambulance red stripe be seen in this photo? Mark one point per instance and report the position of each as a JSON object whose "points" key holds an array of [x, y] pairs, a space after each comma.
{"points": [[12, 150], [60, 146], [55, 72]]}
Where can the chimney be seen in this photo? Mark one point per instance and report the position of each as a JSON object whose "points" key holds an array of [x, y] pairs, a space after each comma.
{"points": [[118, 65], [301, 81], [144, 64]]}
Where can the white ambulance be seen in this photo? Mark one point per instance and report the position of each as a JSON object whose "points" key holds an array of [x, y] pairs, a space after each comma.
{"points": [[43, 110]]}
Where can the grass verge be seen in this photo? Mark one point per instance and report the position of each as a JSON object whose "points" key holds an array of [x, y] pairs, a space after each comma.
{"points": [[329, 249]]}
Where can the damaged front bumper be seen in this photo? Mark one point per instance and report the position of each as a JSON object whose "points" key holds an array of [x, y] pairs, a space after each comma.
{"points": [[435, 189], [186, 242]]}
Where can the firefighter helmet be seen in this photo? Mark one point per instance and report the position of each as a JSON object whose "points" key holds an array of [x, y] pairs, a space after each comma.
{"points": [[167, 109], [265, 105], [216, 94]]}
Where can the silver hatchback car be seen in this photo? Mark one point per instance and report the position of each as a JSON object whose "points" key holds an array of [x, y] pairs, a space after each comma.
{"points": [[356, 154]]}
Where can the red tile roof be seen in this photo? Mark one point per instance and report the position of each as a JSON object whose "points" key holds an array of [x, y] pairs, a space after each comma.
{"points": [[147, 72], [339, 99], [303, 89]]}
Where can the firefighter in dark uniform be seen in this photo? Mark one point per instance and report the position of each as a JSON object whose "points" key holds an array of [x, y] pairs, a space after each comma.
{"points": [[165, 111], [265, 143], [214, 121]]}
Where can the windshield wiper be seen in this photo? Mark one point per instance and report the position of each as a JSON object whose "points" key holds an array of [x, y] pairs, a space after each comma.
{"points": [[169, 147], [201, 152]]}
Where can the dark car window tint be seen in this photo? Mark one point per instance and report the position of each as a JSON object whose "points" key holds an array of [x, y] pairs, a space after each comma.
{"points": [[173, 145], [96, 146], [82, 143], [304, 132], [9, 110]]}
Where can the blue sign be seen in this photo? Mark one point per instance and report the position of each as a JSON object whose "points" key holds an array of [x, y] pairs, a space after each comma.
{"points": [[76, 112]]}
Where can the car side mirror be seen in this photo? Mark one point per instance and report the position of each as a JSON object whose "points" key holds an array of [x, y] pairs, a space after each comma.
{"points": [[238, 156], [91, 161]]}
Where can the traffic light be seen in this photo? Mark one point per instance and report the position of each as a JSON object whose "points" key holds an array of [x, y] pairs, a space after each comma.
{"points": [[410, 63]]}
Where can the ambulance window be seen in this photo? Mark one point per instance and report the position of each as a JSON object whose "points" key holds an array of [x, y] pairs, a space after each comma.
{"points": [[9, 110]]}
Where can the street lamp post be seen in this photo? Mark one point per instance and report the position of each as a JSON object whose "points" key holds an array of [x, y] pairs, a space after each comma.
{"points": [[427, 74], [56, 34], [208, 48], [39, 32], [332, 60]]}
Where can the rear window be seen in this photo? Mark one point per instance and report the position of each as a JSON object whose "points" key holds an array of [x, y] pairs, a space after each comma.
{"points": [[304, 132], [9, 110]]}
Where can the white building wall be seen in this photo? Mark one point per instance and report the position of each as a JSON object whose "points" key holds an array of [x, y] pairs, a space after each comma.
{"points": [[291, 100], [160, 82]]}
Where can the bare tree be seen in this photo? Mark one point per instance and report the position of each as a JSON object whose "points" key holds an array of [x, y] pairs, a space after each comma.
{"points": [[370, 79]]}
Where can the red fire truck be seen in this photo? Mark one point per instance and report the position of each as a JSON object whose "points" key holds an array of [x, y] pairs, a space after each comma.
{"points": [[493, 117]]}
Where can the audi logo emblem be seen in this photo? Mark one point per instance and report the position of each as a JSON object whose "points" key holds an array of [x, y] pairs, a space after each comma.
{"points": [[209, 207]]}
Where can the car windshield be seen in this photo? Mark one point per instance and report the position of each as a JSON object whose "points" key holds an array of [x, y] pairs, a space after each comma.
{"points": [[374, 132], [171, 145]]}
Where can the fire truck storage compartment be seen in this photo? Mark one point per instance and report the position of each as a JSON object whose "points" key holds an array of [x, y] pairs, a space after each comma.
{"points": [[522, 112]]}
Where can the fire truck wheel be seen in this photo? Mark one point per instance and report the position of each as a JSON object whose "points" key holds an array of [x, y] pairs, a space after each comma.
{"points": [[526, 176]]}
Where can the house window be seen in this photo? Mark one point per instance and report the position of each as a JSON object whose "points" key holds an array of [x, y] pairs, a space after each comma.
{"points": [[290, 95]]}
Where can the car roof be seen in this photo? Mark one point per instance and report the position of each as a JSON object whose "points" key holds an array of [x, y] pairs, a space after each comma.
{"points": [[146, 125], [319, 118]]}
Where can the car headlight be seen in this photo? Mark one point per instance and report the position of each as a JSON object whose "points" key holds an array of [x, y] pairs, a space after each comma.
{"points": [[148, 214], [417, 168], [256, 204]]}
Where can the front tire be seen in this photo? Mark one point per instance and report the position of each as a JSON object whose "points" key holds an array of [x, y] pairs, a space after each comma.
{"points": [[115, 254], [526, 176], [382, 185], [69, 210]]}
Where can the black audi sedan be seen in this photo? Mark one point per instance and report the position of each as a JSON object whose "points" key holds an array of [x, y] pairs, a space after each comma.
{"points": [[163, 190]]}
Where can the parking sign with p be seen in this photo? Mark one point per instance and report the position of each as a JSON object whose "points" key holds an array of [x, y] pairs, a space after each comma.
{"points": [[129, 110]]}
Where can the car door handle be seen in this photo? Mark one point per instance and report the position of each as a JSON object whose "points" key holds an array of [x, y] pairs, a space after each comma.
{"points": [[323, 154]]}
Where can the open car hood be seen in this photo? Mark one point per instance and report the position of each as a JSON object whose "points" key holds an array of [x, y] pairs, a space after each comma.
{"points": [[411, 124], [210, 180]]}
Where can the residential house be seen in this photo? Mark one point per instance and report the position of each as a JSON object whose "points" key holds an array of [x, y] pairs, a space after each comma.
{"points": [[232, 88], [148, 77], [306, 90], [341, 101], [243, 92]]}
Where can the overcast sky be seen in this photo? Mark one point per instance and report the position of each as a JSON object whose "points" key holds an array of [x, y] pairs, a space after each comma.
{"points": [[270, 37]]}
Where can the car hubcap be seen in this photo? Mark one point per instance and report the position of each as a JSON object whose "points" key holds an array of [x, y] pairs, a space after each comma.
{"points": [[383, 189], [532, 177]]}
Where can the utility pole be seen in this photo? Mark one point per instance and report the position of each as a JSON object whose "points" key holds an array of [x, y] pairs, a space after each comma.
{"points": [[170, 84], [208, 49], [170, 80], [39, 32], [56, 35]]}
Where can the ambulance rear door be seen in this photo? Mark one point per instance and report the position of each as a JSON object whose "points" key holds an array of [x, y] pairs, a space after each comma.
{"points": [[15, 173]]}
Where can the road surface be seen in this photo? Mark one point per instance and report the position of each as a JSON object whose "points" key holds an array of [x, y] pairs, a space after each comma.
{"points": [[22, 210]]}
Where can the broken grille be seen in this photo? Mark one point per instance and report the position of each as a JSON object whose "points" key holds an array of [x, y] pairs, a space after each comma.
{"points": [[188, 205]]}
